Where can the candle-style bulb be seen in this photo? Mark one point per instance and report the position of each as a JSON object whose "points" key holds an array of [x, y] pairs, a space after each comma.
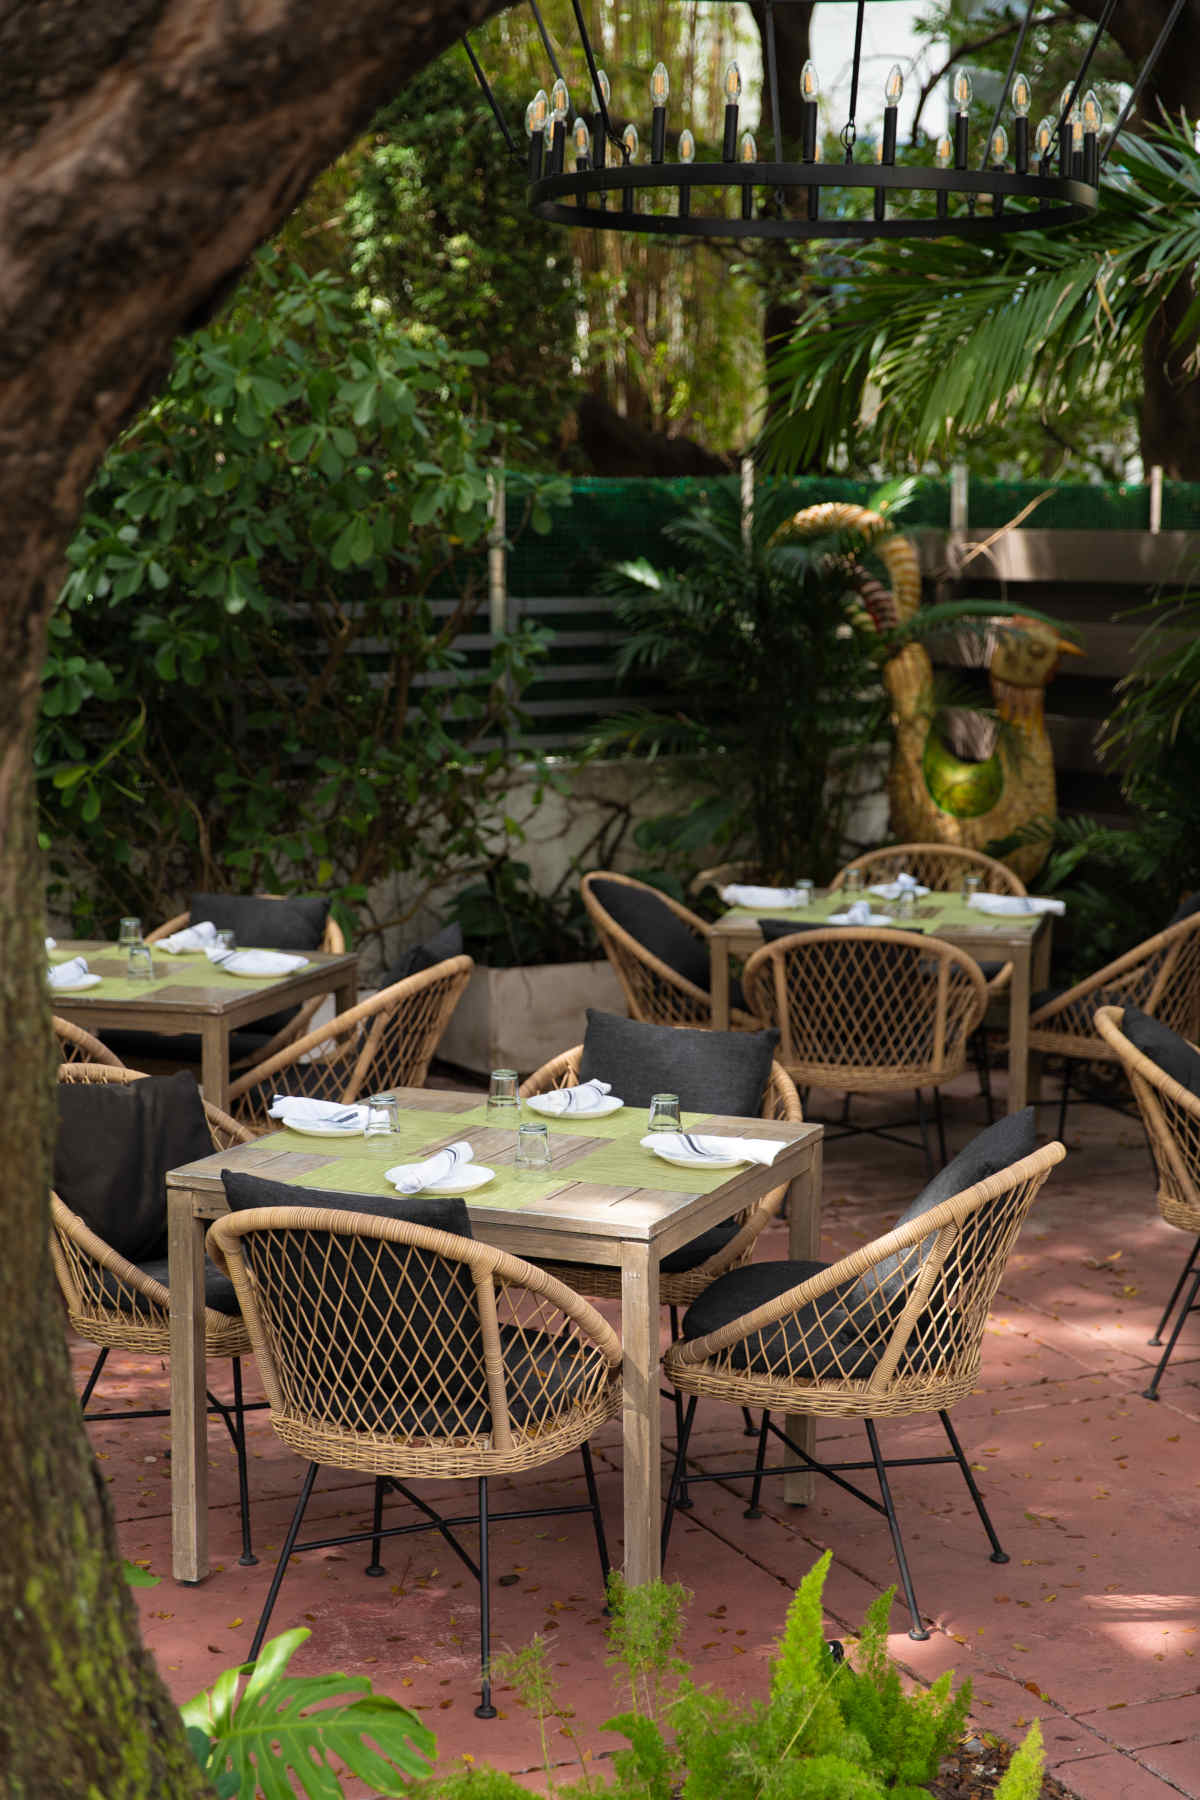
{"points": [[581, 132], [629, 137], [660, 85], [749, 149], [1092, 112], [1064, 102], [810, 84], [560, 101], [537, 113], [944, 152], [1022, 96], [962, 91], [999, 145], [687, 146], [733, 84], [605, 87], [894, 85], [1043, 137]]}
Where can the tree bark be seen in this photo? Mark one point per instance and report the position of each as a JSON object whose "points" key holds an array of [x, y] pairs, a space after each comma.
{"points": [[147, 147]]}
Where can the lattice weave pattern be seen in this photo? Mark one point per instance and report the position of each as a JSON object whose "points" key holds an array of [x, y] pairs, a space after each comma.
{"points": [[940, 867], [894, 1328], [385, 1042], [1171, 1116], [654, 992], [1161, 976], [75, 1045], [399, 1350]]}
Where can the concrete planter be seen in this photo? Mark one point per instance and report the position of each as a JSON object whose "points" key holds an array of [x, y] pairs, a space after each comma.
{"points": [[520, 1018]]}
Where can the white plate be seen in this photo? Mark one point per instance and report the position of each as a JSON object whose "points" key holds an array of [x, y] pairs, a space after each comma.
{"points": [[319, 1128], [687, 1159], [608, 1104], [463, 1180], [271, 963], [875, 919], [75, 987]]}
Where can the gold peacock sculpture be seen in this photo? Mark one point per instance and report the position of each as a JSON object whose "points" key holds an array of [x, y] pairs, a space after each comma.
{"points": [[935, 795]]}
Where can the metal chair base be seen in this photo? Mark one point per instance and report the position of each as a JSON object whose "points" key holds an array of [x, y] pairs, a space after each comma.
{"points": [[846, 1127], [1190, 1305]]}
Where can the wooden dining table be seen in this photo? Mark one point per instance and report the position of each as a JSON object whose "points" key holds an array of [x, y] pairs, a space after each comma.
{"points": [[605, 1199], [188, 994], [1024, 941]]}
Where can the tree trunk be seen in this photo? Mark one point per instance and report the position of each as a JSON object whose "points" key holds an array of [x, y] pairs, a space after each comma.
{"points": [[148, 147]]}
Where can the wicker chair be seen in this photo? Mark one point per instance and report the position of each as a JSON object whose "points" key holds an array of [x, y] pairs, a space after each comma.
{"points": [[676, 1289], [1171, 1116], [76, 1045], [654, 991], [384, 1042], [863, 1010], [893, 1329], [1160, 975], [112, 1303], [937, 866], [403, 1353], [333, 942]]}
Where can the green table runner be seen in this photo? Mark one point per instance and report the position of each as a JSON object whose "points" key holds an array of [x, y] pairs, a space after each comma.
{"points": [[948, 911], [182, 971]]}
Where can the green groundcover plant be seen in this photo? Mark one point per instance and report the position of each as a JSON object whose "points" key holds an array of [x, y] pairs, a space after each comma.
{"points": [[830, 1728]]}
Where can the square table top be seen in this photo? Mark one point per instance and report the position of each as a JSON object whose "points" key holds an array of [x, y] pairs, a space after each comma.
{"points": [[601, 1182], [186, 981], [938, 914]]}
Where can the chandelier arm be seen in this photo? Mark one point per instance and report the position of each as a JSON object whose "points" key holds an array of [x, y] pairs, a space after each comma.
{"points": [[1013, 60], [773, 78], [849, 132], [1139, 84], [1110, 7], [590, 58], [541, 25], [481, 78]]}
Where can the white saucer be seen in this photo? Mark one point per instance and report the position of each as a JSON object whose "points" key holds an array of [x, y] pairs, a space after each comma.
{"points": [[683, 1158], [76, 987], [607, 1104], [463, 1180], [270, 963]]}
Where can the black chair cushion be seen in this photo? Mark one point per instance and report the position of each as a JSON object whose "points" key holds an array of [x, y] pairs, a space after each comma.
{"points": [[1044, 996], [218, 1289], [438, 1212], [440, 948], [849, 1034], [137, 1047], [1173, 1054], [688, 1256], [1185, 909], [295, 922], [645, 915], [769, 1352], [711, 1071], [115, 1145]]}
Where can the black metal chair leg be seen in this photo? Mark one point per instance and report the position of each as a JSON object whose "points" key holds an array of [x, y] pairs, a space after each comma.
{"points": [[749, 1428], [485, 1709], [93, 1378], [680, 1460], [1068, 1065], [929, 1168], [597, 1517], [1169, 1308], [375, 1566], [685, 1502], [917, 1629], [983, 1068], [1189, 1306], [754, 1511], [941, 1124], [998, 1555], [247, 1559], [293, 1533]]}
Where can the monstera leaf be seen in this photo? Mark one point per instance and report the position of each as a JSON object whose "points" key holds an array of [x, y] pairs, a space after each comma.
{"points": [[284, 1730]]}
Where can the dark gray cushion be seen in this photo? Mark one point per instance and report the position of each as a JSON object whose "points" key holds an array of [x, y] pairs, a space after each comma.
{"points": [[295, 922], [690, 1255], [218, 1289], [1173, 1054], [439, 1212], [115, 1145], [711, 1071], [137, 1047], [743, 1290], [645, 915], [440, 948], [1185, 909]]}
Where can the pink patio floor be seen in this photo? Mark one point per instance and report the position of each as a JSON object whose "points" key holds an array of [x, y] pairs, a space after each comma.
{"points": [[1093, 1626]]}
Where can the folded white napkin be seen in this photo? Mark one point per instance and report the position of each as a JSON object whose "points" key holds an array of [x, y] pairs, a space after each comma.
{"points": [[859, 913], [50, 944], [718, 1149], [1015, 905], [200, 936], [737, 895], [410, 1178], [256, 962], [584, 1098], [316, 1112], [903, 884], [71, 974]]}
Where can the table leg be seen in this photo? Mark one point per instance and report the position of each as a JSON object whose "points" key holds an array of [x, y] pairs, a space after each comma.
{"points": [[642, 1485], [189, 1382], [1018, 1026], [214, 1062], [345, 994], [804, 1243], [718, 952]]}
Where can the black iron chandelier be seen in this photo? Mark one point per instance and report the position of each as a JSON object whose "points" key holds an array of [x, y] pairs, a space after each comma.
{"points": [[1036, 179]]}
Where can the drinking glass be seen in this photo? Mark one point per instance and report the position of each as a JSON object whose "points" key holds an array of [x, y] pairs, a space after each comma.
{"points": [[970, 886], [533, 1149], [664, 1113], [383, 1116], [131, 932], [503, 1102], [141, 963], [803, 891], [227, 939], [906, 904], [853, 884]]}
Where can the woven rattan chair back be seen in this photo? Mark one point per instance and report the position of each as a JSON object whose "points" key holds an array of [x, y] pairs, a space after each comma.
{"points": [[109, 1300], [654, 991], [937, 866], [333, 938], [1171, 1115], [387, 1041], [894, 1328], [866, 1010], [1161, 976], [75, 1045], [398, 1350], [781, 1101]]}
